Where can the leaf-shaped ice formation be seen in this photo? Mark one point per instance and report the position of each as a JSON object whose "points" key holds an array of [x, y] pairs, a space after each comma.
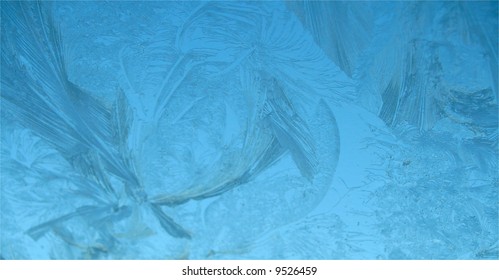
{"points": [[45, 100], [37, 94], [411, 70], [251, 201], [348, 28], [291, 131], [287, 132], [406, 60]]}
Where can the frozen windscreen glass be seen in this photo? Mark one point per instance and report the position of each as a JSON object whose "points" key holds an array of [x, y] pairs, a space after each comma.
{"points": [[249, 130]]}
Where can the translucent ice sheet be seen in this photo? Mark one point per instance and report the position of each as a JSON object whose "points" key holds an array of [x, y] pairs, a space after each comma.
{"points": [[249, 130]]}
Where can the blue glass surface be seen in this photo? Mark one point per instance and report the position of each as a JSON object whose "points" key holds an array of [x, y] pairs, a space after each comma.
{"points": [[249, 130]]}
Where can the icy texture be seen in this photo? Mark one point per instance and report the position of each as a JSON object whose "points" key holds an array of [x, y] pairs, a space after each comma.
{"points": [[268, 130]]}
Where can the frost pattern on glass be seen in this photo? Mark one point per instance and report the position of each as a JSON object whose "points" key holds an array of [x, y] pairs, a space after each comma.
{"points": [[249, 130]]}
